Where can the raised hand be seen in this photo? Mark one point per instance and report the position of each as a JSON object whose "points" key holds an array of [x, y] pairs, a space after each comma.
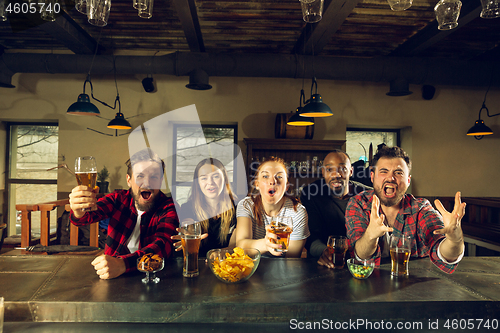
{"points": [[177, 238], [376, 228], [82, 199], [451, 221]]}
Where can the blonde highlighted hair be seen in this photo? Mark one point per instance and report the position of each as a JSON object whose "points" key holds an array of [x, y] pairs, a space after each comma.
{"points": [[225, 205]]}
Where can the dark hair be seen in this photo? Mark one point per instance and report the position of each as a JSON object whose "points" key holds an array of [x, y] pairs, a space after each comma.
{"points": [[146, 154], [254, 194], [391, 152], [340, 151]]}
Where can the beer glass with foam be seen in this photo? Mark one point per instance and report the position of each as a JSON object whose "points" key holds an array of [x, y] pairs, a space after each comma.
{"points": [[190, 240], [86, 171], [400, 249]]}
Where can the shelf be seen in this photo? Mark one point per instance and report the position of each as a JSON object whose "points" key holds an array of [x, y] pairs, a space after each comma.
{"points": [[298, 150]]}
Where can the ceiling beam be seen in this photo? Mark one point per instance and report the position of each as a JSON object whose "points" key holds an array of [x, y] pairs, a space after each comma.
{"points": [[186, 10], [431, 35], [334, 14], [70, 34], [384, 69]]}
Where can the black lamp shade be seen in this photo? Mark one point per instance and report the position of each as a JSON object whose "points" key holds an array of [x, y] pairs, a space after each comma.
{"points": [[198, 80], [399, 87], [298, 120], [83, 107], [316, 108], [119, 122], [479, 129]]}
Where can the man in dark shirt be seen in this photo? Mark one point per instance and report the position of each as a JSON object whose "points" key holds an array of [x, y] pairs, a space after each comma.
{"points": [[142, 218], [326, 201]]}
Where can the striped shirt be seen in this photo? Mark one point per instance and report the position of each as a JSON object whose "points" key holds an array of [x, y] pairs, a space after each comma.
{"points": [[299, 219]]}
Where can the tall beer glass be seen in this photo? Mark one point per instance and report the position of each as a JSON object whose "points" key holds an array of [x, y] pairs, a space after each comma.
{"points": [[338, 248], [190, 240], [400, 248], [86, 171]]}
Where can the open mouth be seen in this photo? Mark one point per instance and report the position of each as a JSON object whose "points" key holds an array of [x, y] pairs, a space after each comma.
{"points": [[146, 195], [390, 190], [271, 192], [212, 189], [336, 183]]}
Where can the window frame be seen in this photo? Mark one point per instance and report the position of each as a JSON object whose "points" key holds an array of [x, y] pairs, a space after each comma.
{"points": [[12, 181], [175, 183], [393, 130]]}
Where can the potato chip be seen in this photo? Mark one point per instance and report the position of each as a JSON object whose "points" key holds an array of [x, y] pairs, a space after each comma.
{"points": [[235, 266]]}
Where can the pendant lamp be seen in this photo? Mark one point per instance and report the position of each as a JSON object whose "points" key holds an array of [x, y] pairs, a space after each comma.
{"points": [[83, 106], [479, 130], [297, 119], [119, 122], [315, 106]]}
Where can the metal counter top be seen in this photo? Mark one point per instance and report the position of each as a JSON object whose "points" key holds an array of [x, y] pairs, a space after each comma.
{"points": [[66, 289]]}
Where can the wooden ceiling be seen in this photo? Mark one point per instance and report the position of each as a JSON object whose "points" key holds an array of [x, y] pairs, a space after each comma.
{"points": [[349, 28]]}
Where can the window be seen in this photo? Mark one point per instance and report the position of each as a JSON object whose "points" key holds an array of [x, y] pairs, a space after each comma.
{"points": [[192, 145], [358, 141], [33, 149]]}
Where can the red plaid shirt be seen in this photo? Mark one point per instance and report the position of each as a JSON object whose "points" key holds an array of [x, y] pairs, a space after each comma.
{"points": [[417, 219], [157, 226]]}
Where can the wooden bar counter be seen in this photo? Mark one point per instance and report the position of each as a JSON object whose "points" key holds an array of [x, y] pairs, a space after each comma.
{"points": [[282, 293]]}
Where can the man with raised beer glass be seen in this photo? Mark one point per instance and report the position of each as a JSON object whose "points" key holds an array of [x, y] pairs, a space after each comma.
{"points": [[372, 216], [326, 200], [142, 218]]}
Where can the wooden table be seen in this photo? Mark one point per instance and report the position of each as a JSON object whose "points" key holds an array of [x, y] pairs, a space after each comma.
{"points": [[287, 292]]}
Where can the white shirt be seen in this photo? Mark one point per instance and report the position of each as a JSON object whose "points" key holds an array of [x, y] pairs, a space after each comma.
{"points": [[135, 238]]}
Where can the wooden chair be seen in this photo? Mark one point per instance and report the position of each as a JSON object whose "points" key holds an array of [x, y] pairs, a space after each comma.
{"points": [[45, 209]]}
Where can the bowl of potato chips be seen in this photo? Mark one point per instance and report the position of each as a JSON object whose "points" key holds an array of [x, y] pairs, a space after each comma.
{"points": [[233, 265]]}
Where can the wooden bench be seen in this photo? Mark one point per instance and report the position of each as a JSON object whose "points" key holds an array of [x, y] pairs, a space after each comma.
{"points": [[45, 209]]}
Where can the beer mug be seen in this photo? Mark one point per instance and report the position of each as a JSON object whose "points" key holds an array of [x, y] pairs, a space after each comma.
{"points": [[400, 248], [190, 240]]}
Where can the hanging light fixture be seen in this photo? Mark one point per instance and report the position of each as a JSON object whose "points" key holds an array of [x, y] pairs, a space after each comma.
{"points": [[297, 119], [399, 87], [399, 5], [312, 10], [314, 106], [491, 9], [479, 130], [447, 13], [119, 122], [198, 80], [83, 106]]}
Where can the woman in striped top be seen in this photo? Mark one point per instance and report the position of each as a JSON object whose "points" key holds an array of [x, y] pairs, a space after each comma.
{"points": [[268, 198]]}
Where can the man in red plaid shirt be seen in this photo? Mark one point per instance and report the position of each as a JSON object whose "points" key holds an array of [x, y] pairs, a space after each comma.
{"points": [[142, 218], [372, 215]]}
